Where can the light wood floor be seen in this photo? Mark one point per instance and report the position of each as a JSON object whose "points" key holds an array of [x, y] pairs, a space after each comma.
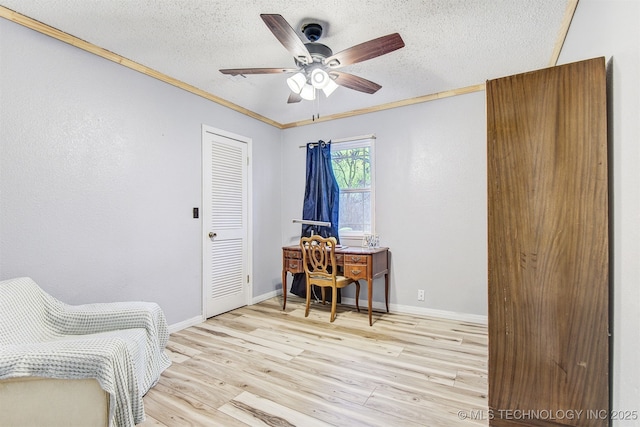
{"points": [[260, 366]]}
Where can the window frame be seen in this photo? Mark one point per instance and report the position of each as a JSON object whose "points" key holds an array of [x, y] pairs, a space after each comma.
{"points": [[355, 237]]}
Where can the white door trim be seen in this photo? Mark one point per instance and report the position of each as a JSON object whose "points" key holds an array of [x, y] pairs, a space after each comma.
{"points": [[212, 130]]}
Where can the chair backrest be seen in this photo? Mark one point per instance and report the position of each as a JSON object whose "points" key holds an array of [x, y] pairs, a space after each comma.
{"points": [[319, 256]]}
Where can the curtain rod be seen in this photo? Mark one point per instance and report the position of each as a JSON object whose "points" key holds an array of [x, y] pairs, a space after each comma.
{"points": [[353, 138]]}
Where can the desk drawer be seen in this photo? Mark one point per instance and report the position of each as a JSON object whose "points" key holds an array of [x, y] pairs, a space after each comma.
{"points": [[355, 271], [292, 254], [355, 259], [293, 266]]}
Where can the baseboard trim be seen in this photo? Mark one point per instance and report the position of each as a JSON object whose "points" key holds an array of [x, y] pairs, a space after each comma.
{"points": [[185, 324], [264, 297], [444, 314], [432, 312]]}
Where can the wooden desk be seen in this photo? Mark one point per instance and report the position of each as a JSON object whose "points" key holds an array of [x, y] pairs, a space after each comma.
{"points": [[355, 263]]}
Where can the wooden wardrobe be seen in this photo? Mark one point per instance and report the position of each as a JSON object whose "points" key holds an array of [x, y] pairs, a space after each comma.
{"points": [[548, 235]]}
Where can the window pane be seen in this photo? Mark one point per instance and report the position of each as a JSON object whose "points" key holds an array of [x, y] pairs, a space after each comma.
{"points": [[355, 212], [352, 168]]}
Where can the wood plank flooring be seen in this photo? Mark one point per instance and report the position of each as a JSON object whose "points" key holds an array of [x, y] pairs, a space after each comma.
{"points": [[261, 366]]}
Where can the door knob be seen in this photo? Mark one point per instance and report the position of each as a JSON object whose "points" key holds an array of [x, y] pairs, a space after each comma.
{"points": [[212, 234]]}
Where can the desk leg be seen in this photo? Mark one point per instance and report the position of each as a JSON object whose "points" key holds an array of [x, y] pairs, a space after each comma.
{"points": [[284, 289], [369, 295], [386, 290]]}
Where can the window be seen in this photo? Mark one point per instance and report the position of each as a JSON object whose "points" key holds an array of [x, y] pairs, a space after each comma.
{"points": [[353, 167]]}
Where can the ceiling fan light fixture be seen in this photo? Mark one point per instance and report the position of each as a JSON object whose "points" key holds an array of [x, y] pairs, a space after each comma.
{"points": [[297, 82], [308, 92], [319, 78], [329, 88]]}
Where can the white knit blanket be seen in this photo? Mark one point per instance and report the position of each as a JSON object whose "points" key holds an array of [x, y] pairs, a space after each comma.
{"points": [[119, 344]]}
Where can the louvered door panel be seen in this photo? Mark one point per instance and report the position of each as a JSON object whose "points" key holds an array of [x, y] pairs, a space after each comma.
{"points": [[227, 272], [227, 187], [225, 269]]}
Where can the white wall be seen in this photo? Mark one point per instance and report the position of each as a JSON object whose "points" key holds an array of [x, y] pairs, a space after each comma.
{"points": [[612, 29], [100, 167], [431, 198]]}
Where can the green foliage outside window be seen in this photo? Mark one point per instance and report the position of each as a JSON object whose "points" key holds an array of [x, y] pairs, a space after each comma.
{"points": [[352, 168]]}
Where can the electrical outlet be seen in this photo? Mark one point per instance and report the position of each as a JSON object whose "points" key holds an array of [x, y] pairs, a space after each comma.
{"points": [[420, 294]]}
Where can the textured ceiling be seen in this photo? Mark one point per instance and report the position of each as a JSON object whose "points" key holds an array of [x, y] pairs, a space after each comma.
{"points": [[449, 44]]}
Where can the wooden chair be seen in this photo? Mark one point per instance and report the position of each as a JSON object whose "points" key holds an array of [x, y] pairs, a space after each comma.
{"points": [[320, 268]]}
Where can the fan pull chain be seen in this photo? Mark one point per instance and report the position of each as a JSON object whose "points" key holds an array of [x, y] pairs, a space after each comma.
{"points": [[316, 103]]}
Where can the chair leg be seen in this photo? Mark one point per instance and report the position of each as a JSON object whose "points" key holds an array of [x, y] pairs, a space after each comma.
{"points": [[324, 300], [357, 295], [334, 297], [306, 311]]}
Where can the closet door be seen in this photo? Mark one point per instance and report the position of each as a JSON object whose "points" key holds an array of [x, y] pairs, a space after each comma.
{"points": [[548, 247]]}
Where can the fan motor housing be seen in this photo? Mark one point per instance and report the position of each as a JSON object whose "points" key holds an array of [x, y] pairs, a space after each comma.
{"points": [[318, 52]]}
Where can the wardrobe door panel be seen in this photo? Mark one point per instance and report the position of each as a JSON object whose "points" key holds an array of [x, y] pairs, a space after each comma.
{"points": [[548, 247]]}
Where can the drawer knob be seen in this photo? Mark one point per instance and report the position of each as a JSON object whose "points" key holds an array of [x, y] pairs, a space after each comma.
{"points": [[355, 258], [356, 271]]}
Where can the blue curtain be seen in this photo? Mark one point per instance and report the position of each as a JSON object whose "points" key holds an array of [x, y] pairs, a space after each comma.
{"points": [[321, 203], [321, 194]]}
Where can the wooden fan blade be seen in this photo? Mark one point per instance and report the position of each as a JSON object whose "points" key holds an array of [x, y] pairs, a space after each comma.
{"points": [[365, 51], [293, 98], [287, 36], [243, 71], [354, 82]]}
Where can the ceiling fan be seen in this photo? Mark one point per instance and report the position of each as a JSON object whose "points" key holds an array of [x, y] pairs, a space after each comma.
{"points": [[316, 64]]}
